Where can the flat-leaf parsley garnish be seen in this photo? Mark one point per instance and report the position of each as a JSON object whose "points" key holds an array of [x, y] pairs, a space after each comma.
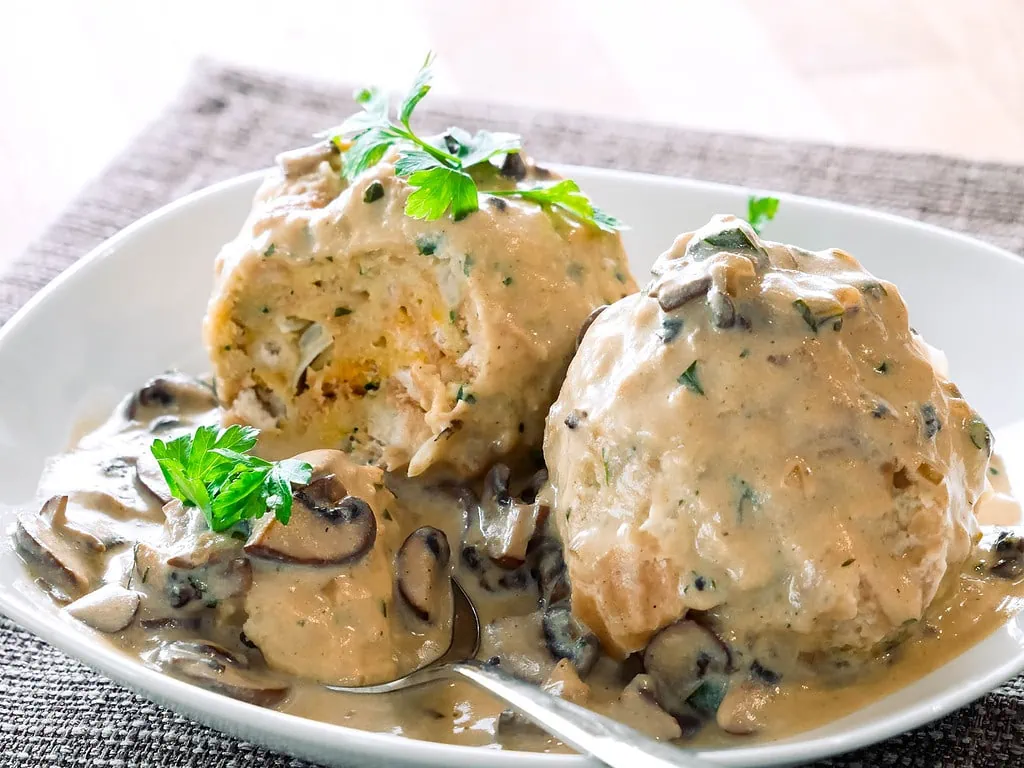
{"points": [[438, 167], [761, 210], [212, 469]]}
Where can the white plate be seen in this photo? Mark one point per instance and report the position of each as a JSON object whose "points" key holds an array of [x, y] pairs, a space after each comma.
{"points": [[133, 307]]}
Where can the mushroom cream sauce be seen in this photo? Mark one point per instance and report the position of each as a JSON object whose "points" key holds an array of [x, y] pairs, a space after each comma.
{"points": [[109, 517]]}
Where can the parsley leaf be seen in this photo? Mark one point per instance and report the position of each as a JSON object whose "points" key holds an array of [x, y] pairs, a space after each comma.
{"points": [[565, 194], [438, 168], [761, 210], [211, 469], [688, 379], [437, 190]]}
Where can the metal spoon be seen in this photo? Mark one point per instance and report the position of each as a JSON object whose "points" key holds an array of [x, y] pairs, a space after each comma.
{"points": [[604, 739]]}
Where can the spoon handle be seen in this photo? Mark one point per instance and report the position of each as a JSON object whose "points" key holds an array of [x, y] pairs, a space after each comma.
{"points": [[610, 742]]}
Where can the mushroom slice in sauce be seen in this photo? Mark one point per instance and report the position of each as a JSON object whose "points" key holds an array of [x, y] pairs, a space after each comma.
{"points": [[503, 524], [58, 561], [148, 473], [566, 638], [422, 572], [327, 527], [638, 706], [689, 664], [170, 392], [217, 669], [110, 608], [741, 710]]}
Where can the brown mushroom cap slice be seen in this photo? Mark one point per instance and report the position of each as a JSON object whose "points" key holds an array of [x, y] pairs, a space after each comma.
{"points": [[58, 561], [638, 706], [152, 479], [688, 660], [169, 393], [217, 669], [567, 638], [422, 572], [327, 527], [110, 608], [505, 524]]}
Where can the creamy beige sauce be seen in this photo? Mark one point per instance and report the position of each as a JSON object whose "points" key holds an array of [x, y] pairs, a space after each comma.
{"points": [[111, 518]]}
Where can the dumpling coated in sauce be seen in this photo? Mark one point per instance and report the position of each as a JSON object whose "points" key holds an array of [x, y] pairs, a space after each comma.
{"points": [[339, 321], [761, 436]]}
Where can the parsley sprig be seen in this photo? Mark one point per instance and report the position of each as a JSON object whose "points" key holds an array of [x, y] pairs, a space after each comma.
{"points": [[212, 470], [438, 168], [761, 210]]}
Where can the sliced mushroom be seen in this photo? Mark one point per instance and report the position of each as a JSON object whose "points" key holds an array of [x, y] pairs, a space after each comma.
{"points": [[110, 608], [327, 527], [723, 310], [673, 294], [688, 662], [741, 710], [152, 479], [1008, 555], [500, 524], [57, 561], [171, 392], [217, 669], [564, 682], [422, 572], [566, 638], [589, 322], [188, 580], [552, 575], [638, 707]]}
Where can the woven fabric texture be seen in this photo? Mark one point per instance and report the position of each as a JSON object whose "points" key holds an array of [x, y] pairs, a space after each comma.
{"points": [[56, 712]]}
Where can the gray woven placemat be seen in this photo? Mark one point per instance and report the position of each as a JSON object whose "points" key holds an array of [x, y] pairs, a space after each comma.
{"points": [[56, 712]]}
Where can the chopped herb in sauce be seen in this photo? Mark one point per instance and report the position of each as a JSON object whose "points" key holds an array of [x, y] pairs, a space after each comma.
{"points": [[689, 379], [387, 515], [575, 271], [507, 281], [993, 471], [452, 316], [374, 192], [342, 311], [371, 386], [930, 421], [882, 367], [731, 239], [265, 309], [427, 246], [463, 395], [384, 608], [708, 697], [271, 250], [761, 210], [849, 562], [874, 290], [619, 276], [747, 497], [980, 434], [607, 466], [815, 322], [880, 410], [670, 328], [467, 264], [744, 353]]}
